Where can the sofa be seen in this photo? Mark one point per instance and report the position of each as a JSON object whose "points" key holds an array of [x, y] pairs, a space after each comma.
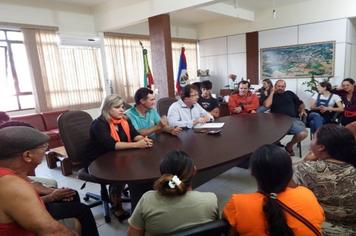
{"points": [[45, 122]]}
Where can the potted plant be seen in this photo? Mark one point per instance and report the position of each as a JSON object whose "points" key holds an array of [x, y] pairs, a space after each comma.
{"points": [[312, 84]]}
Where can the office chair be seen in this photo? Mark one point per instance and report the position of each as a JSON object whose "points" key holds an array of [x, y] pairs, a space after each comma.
{"points": [[214, 228], [163, 105], [74, 129]]}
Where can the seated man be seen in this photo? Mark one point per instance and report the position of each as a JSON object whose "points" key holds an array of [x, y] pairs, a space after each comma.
{"points": [[244, 101], [288, 103], [21, 148], [144, 116], [205, 100], [186, 112], [61, 203]]}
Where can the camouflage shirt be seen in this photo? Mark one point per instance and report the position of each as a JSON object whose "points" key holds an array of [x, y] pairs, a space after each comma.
{"points": [[334, 184]]}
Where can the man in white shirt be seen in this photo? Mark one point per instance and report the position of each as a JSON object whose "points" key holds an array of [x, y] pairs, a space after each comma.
{"points": [[186, 112]]}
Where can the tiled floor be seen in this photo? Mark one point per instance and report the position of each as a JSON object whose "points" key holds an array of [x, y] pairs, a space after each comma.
{"points": [[232, 181]]}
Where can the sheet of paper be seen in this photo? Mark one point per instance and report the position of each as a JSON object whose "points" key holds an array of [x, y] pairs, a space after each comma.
{"points": [[209, 126]]}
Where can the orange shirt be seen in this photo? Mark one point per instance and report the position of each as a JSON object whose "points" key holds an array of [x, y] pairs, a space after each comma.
{"points": [[249, 102], [244, 212]]}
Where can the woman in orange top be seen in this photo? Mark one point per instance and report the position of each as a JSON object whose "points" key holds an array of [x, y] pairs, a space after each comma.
{"points": [[261, 213], [244, 101]]}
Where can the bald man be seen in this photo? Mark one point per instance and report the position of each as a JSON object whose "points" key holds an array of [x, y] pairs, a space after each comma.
{"points": [[286, 102]]}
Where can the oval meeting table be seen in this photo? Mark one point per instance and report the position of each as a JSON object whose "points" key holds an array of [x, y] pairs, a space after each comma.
{"points": [[212, 154]]}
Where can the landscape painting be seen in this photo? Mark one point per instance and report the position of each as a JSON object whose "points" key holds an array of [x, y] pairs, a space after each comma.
{"points": [[303, 60]]}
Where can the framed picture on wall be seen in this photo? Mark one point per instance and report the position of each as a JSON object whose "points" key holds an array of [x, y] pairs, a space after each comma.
{"points": [[302, 60]]}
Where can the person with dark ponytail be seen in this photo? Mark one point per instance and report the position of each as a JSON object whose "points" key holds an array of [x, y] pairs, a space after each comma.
{"points": [[173, 205], [330, 172], [264, 212]]}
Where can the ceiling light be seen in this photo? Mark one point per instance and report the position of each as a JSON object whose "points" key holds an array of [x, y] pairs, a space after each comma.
{"points": [[274, 12]]}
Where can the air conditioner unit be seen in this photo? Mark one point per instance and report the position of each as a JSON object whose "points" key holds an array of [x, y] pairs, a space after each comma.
{"points": [[75, 40]]}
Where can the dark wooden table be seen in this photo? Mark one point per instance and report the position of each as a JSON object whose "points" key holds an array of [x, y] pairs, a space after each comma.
{"points": [[212, 154]]}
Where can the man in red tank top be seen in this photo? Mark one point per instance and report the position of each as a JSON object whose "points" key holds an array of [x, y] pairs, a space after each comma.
{"points": [[21, 211]]}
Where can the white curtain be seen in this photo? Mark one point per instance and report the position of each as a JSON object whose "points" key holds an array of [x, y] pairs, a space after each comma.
{"points": [[125, 64], [63, 78]]}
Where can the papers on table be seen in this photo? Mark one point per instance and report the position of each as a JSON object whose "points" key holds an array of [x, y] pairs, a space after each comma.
{"points": [[209, 126]]}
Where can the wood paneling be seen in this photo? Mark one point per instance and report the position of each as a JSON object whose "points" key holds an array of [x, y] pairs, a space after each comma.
{"points": [[161, 49], [252, 56]]}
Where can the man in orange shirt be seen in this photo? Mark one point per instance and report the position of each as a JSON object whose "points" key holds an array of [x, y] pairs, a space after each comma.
{"points": [[244, 101]]}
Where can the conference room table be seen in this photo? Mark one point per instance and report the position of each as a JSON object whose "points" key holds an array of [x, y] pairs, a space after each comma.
{"points": [[212, 154]]}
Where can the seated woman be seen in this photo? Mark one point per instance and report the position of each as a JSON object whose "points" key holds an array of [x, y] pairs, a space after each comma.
{"points": [[264, 92], [331, 174], [323, 106], [264, 212], [173, 205], [347, 92], [110, 132]]}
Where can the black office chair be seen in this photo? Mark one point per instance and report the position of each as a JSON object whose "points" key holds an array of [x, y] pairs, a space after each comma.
{"points": [[74, 129], [214, 228], [163, 105]]}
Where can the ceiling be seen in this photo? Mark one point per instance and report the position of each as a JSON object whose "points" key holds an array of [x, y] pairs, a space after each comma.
{"points": [[188, 17], [248, 4]]}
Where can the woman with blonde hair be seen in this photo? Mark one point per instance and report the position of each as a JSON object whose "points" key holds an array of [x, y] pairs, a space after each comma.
{"points": [[173, 205], [113, 131]]}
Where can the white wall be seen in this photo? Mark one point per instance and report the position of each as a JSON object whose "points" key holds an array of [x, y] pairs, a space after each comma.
{"points": [[70, 20], [351, 48], [303, 12], [224, 55]]}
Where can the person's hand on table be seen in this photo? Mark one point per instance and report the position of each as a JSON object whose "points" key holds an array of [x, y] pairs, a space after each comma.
{"points": [[145, 143], [237, 109], [176, 130]]}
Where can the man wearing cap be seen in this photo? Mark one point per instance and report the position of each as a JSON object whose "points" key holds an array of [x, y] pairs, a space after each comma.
{"points": [[21, 211], [62, 203]]}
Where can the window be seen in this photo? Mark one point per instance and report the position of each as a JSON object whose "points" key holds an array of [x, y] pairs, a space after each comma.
{"points": [[66, 77], [15, 78], [125, 62]]}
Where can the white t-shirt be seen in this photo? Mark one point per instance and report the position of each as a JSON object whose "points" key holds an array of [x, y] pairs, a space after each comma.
{"points": [[334, 98]]}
